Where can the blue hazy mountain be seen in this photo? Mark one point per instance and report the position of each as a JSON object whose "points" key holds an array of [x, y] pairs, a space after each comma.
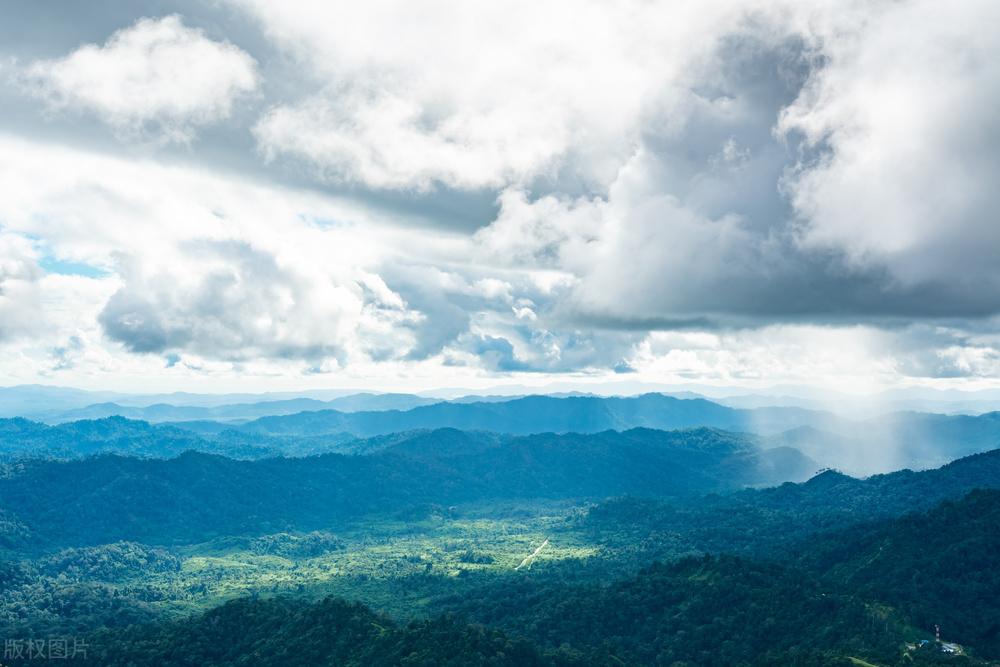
{"points": [[882, 444], [60, 404], [24, 439], [166, 412], [33, 400], [540, 414], [895, 440], [197, 496]]}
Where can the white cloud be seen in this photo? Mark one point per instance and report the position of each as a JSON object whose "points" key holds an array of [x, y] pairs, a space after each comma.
{"points": [[19, 287], [229, 300], [45, 318], [217, 275], [658, 210], [218, 268], [887, 212], [640, 254], [381, 141], [157, 78], [481, 95], [854, 358], [905, 108]]}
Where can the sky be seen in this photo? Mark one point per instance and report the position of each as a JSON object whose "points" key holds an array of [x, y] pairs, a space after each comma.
{"points": [[243, 195]]}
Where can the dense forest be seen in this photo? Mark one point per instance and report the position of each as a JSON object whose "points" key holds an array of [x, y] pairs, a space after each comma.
{"points": [[771, 521], [937, 568], [859, 589], [846, 594], [195, 497], [162, 545], [287, 633]]}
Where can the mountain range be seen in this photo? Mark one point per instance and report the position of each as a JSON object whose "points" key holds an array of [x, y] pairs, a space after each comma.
{"points": [[195, 496], [889, 442]]}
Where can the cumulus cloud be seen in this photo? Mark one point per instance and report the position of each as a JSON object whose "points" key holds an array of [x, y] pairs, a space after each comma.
{"points": [[757, 160], [903, 113], [199, 270], [948, 350], [19, 286], [843, 355], [785, 191], [643, 259], [220, 269], [479, 96], [212, 277], [46, 319], [730, 190], [228, 300], [493, 352], [157, 78]]}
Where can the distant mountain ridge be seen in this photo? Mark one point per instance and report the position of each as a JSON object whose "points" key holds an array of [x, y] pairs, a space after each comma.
{"points": [[23, 439], [46, 402], [542, 414], [890, 442], [897, 440], [198, 496], [166, 412]]}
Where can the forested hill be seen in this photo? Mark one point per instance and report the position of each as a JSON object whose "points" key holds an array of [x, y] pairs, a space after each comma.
{"points": [[697, 611], [937, 568], [288, 633], [866, 595], [773, 522], [859, 591], [814, 580], [196, 496], [21, 438]]}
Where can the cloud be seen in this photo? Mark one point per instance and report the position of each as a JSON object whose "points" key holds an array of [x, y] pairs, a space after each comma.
{"points": [[948, 351], [216, 268], [383, 142], [19, 286], [492, 352], [902, 113], [46, 319], [722, 164], [478, 96], [228, 300], [644, 259], [727, 191], [156, 79], [785, 192], [213, 272]]}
